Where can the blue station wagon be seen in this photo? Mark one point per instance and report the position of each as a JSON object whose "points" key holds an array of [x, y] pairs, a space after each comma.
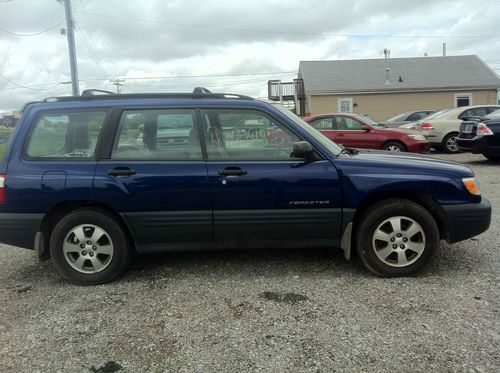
{"points": [[90, 180]]}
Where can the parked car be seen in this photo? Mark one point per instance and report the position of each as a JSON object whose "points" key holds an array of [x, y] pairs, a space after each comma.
{"points": [[406, 118], [442, 127], [359, 131], [77, 186], [481, 136]]}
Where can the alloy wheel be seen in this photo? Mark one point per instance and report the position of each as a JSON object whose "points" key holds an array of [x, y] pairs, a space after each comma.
{"points": [[398, 241], [88, 248]]}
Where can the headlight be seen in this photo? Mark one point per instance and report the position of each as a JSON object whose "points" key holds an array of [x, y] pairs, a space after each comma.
{"points": [[472, 186], [417, 137]]}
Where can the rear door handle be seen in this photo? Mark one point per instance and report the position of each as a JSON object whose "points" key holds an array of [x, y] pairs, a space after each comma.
{"points": [[232, 171], [121, 172]]}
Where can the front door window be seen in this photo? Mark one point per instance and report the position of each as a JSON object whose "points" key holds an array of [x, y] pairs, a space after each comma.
{"points": [[250, 135]]}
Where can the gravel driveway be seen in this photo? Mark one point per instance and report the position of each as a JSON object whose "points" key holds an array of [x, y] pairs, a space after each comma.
{"points": [[279, 310]]}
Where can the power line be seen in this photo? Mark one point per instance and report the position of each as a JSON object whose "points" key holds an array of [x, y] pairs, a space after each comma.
{"points": [[212, 84], [155, 77], [29, 87], [34, 34], [204, 76], [290, 32], [89, 48]]}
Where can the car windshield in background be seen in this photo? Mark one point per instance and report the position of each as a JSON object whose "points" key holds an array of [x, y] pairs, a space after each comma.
{"points": [[494, 115], [370, 121], [398, 118], [327, 143], [440, 113]]}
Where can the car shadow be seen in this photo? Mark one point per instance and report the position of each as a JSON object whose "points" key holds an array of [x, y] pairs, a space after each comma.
{"points": [[242, 262], [482, 162]]}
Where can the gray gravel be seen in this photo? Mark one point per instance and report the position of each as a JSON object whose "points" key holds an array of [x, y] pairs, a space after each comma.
{"points": [[279, 310]]}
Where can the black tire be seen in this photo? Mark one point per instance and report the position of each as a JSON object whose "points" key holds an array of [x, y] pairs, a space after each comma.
{"points": [[393, 145], [493, 158], [450, 143], [370, 223], [115, 241]]}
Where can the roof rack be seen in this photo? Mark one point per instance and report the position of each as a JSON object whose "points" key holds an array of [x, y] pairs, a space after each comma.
{"points": [[98, 94], [95, 92]]}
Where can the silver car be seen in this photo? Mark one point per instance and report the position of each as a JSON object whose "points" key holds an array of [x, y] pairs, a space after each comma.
{"points": [[406, 118]]}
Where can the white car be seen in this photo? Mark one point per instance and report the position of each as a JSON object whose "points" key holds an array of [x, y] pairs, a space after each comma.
{"points": [[442, 127]]}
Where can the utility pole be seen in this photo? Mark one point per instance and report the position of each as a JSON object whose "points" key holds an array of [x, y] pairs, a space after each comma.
{"points": [[118, 83], [70, 28]]}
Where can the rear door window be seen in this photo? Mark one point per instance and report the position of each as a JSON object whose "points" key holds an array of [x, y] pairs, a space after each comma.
{"points": [[323, 123], [160, 134], [66, 135]]}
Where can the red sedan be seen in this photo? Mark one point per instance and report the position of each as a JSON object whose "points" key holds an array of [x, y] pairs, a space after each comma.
{"points": [[359, 131]]}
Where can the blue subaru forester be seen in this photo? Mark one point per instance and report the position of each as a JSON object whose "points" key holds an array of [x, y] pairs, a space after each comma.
{"points": [[90, 180]]}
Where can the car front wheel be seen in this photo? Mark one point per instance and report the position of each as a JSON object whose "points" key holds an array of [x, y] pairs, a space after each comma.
{"points": [[396, 238], [394, 146], [89, 247]]}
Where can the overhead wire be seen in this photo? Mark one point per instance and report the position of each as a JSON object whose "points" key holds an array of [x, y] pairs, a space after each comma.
{"points": [[29, 87], [89, 47], [35, 33], [229, 28]]}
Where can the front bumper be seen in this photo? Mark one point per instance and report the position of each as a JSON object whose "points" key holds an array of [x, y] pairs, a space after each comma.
{"points": [[418, 147], [467, 220]]}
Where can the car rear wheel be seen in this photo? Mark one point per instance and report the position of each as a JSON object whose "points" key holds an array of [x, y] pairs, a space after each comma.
{"points": [[394, 146], [493, 158], [450, 143], [396, 238], [89, 247]]}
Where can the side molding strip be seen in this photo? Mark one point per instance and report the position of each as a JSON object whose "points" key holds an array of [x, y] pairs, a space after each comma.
{"points": [[345, 244]]}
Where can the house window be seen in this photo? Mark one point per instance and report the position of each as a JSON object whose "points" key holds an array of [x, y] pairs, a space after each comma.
{"points": [[344, 105], [463, 99]]}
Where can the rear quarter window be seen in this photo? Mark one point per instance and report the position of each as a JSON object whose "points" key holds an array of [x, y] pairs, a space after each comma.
{"points": [[4, 139], [65, 134]]}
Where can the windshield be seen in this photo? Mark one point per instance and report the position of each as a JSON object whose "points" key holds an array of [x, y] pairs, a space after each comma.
{"points": [[440, 113], [398, 118], [327, 143], [370, 121]]}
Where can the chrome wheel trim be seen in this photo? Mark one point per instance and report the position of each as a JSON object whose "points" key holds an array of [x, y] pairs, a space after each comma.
{"points": [[398, 241], [451, 144], [393, 148], [88, 249]]}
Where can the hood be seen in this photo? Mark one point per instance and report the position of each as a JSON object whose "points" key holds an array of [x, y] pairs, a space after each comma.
{"points": [[402, 162]]}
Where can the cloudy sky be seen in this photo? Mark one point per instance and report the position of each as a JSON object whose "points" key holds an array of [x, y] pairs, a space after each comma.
{"points": [[226, 46]]}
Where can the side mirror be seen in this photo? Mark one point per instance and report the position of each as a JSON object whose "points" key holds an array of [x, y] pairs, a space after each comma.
{"points": [[303, 149], [365, 128]]}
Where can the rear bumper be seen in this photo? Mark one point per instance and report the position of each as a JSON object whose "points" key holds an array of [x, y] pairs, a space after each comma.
{"points": [[19, 229], [478, 145], [467, 220]]}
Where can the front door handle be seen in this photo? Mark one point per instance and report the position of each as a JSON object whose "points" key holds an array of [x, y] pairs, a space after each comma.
{"points": [[232, 171], [125, 171]]}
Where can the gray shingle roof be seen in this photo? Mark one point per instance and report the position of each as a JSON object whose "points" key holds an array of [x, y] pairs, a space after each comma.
{"points": [[420, 73]]}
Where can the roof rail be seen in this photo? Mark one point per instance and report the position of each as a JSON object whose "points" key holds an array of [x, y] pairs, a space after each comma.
{"points": [[198, 93], [92, 92]]}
